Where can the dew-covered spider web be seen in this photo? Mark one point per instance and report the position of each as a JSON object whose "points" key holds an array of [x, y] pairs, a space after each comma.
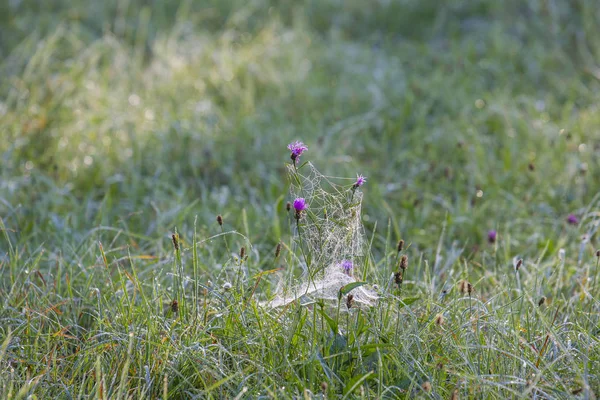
{"points": [[328, 233]]}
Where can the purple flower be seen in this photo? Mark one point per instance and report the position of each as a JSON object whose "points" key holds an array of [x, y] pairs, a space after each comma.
{"points": [[572, 219], [347, 266], [297, 148], [300, 205], [360, 180], [492, 236]]}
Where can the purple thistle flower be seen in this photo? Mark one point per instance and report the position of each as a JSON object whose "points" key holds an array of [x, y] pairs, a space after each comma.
{"points": [[300, 204], [360, 180], [297, 148], [492, 236], [347, 266], [572, 219]]}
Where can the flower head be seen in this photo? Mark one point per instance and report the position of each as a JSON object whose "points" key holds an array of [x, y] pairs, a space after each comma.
{"points": [[297, 148], [572, 219], [492, 235], [300, 204], [347, 266], [360, 180]]}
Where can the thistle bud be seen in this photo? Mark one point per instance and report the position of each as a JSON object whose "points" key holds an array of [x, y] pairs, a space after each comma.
{"points": [[288, 206]]}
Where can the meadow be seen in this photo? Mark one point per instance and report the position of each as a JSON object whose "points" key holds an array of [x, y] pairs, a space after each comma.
{"points": [[151, 245]]}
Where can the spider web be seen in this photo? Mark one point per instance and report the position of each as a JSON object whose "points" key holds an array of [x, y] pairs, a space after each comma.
{"points": [[329, 232]]}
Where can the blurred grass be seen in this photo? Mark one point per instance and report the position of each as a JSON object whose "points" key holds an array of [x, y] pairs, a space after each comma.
{"points": [[122, 120]]}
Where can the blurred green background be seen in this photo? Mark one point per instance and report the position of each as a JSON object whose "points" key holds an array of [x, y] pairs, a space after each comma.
{"points": [[140, 115]]}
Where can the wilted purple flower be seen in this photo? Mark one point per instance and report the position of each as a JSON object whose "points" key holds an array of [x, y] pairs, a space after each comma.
{"points": [[300, 204], [492, 236], [297, 148], [572, 219], [347, 266], [360, 180]]}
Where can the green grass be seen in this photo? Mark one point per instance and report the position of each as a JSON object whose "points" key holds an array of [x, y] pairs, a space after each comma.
{"points": [[123, 122]]}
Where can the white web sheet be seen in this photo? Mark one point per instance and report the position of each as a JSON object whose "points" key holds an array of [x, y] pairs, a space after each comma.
{"points": [[329, 232]]}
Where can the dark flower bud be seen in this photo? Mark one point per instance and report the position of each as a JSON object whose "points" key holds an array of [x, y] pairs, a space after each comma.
{"points": [[220, 220], [278, 250], [242, 252], [175, 241], [519, 263], [175, 306]]}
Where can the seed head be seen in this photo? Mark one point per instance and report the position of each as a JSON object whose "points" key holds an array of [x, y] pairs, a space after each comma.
{"points": [[349, 301], [324, 387], [426, 386], [220, 220], [242, 252], [400, 245], [398, 278], [439, 320], [175, 239], [465, 287], [278, 250], [403, 262], [519, 263], [542, 301]]}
